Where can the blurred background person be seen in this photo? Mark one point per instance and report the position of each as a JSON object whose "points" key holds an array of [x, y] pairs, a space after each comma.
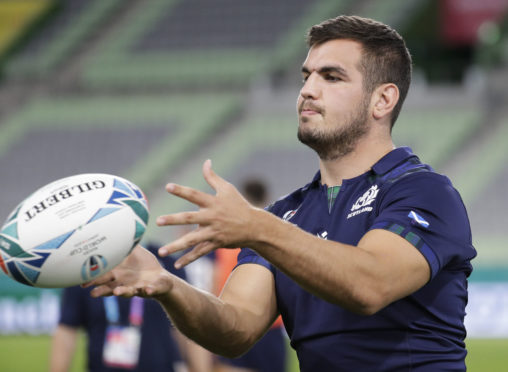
{"points": [[123, 334]]}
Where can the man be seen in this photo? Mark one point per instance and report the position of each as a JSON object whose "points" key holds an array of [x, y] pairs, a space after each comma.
{"points": [[367, 264], [123, 334]]}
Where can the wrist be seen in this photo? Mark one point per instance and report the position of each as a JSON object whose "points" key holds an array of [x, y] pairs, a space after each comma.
{"points": [[265, 231], [254, 229], [163, 286]]}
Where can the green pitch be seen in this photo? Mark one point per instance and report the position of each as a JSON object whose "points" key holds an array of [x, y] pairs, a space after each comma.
{"points": [[487, 355], [31, 353]]}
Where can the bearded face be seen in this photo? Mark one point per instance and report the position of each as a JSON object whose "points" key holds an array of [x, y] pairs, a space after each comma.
{"points": [[333, 106], [336, 138]]}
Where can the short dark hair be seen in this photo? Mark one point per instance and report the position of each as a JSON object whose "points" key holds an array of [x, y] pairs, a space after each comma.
{"points": [[385, 59]]}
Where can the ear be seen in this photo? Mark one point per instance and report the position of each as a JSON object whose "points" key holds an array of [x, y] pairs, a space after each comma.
{"points": [[385, 98]]}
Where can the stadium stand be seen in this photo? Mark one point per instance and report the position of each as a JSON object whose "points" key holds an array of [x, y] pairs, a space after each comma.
{"points": [[492, 49], [71, 24], [482, 180], [17, 18], [418, 127], [139, 138], [392, 12], [167, 43]]}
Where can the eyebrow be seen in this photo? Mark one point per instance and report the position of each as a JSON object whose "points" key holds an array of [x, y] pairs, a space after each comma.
{"points": [[327, 69]]}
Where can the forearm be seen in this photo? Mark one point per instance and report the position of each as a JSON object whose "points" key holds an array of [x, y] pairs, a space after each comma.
{"points": [[353, 277], [207, 320]]}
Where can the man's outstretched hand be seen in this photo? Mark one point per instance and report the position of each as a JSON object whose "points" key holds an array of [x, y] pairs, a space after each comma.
{"points": [[139, 274], [225, 220]]}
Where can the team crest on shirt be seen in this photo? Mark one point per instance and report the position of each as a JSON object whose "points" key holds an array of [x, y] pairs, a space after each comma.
{"points": [[363, 203]]}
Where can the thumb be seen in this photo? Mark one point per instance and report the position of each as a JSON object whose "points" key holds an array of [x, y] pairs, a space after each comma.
{"points": [[210, 176]]}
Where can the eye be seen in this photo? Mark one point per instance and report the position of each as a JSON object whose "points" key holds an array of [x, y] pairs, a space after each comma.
{"points": [[304, 78], [332, 78]]}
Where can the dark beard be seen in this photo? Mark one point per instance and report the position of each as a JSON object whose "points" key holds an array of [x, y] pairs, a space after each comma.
{"points": [[340, 142]]}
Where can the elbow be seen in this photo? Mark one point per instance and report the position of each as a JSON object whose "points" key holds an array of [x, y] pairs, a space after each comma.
{"points": [[233, 344], [366, 309], [234, 353], [233, 350], [368, 301]]}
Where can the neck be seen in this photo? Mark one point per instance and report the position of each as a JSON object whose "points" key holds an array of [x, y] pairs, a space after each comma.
{"points": [[367, 152]]}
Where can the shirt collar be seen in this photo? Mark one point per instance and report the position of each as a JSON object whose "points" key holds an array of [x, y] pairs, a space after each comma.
{"points": [[392, 159], [384, 165]]}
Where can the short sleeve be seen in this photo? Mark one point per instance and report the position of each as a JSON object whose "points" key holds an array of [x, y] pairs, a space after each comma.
{"points": [[427, 211], [247, 255]]}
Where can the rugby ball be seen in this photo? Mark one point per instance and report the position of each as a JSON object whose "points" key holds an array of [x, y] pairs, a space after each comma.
{"points": [[72, 230]]}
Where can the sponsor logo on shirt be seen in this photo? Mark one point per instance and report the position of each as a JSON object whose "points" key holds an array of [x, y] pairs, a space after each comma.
{"points": [[363, 203], [289, 214]]}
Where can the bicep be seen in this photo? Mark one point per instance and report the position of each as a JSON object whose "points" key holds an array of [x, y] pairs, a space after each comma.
{"points": [[250, 289], [401, 267]]}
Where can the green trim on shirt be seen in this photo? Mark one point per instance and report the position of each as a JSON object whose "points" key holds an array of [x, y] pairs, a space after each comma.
{"points": [[332, 193]]}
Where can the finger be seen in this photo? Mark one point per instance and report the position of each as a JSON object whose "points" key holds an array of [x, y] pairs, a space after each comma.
{"points": [[188, 240], [149, 291], [101, 280], [199, 251], [182, 218], [102, 290], [194, 196], [212, 178], [124, 291]]}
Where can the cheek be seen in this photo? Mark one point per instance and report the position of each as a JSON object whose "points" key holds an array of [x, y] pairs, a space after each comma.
{"points": [[339, 104], [299, 100]]}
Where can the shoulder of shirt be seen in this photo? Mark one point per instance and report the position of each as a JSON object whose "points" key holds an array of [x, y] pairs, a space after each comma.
{"points": [[289, 201], [410, 166], [412, 170]]}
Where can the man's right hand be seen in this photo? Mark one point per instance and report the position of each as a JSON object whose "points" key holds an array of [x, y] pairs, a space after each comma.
{"points": [[139, 274]]}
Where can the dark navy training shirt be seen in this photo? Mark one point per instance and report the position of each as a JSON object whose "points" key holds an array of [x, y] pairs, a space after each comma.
{"points": [[421, 332]]}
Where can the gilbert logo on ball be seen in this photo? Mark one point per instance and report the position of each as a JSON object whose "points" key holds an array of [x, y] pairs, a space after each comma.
{"points": [[72, 230]]}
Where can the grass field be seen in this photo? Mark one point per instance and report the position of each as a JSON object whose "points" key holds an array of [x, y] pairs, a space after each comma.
{"points": [[30, 353]]}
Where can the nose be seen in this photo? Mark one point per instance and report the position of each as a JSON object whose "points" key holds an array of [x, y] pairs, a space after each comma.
{"points": [[310, 89]]}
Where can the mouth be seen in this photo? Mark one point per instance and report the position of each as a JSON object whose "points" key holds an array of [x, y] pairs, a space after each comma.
{"points": [[308, 109], [308, 112]]}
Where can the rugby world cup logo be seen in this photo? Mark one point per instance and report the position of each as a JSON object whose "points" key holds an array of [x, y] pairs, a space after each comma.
{"points": [[93, 267]]}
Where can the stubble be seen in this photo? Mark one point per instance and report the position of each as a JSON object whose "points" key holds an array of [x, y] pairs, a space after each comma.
{"points": [[332, 144]]}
